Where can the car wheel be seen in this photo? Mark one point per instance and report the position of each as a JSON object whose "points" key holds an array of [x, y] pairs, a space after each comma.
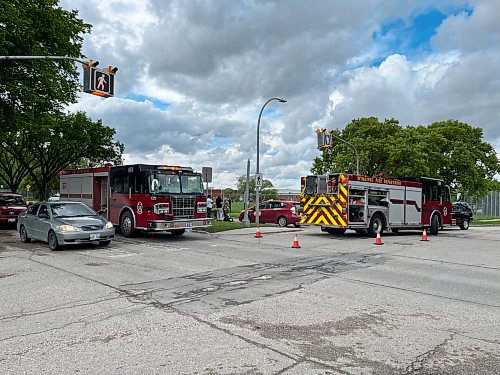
{"points": [[178, 232], [434, 229], [104, 243], [24, 235], [127, 224], [282, 222], [52, 241], [376, 225], [337, 231], [465, 224]]}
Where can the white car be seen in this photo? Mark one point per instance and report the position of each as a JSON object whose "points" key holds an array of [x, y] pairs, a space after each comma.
{"points": [[54, 198]]}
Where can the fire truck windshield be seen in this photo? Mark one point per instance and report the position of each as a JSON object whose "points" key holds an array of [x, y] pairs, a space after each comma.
{"points": [[163, 183], [191, 184]]}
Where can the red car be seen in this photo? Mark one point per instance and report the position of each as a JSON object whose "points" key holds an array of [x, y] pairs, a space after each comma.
{"points": [[277, 212], [11, 205]]}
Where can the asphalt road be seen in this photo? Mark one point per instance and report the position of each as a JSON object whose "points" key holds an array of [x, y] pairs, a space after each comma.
{"points": [[230, 303]]}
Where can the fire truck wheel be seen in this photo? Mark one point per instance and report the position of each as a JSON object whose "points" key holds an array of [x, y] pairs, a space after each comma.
{"points": [[434, 229], [376, 225], [178, 232], [127, 224], [282, 222]]}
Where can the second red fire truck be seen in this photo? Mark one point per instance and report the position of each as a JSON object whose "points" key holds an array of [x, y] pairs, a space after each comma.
{"points": [[141, 197], [343, 201]]}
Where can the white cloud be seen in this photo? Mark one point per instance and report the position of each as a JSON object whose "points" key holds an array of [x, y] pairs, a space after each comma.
{"points": [[217, 62]]}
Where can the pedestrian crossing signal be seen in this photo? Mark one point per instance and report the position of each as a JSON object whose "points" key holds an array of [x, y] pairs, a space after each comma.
{"points": [[100, 82], [324, 139]]}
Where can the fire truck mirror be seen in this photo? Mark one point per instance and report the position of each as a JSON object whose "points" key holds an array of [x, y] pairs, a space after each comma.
{"points": [[155, 183]]}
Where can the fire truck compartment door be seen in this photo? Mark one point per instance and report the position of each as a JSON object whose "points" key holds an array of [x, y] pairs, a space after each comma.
{"points": [[396, 206], [413, 206]]}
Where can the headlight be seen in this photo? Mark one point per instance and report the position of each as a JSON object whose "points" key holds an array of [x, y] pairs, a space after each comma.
{"points": [[109, 224], [201, 207], [161, 208], [69, 228]]}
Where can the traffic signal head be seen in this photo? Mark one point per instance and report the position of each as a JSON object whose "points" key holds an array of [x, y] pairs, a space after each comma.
{"points": [[91, 63], [111, 69]]}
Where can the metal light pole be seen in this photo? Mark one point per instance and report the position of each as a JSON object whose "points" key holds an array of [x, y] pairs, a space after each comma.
{"points": [[353, 148], [257, 208], [247, 194]]}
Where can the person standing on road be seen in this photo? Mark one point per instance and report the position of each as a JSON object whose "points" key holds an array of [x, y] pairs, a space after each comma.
{"points": [[218, 205], [209, 206]]}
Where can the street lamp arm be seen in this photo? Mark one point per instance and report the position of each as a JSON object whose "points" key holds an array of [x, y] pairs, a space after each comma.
{"points": [[281, 100], [354, 149], [257, 188]]}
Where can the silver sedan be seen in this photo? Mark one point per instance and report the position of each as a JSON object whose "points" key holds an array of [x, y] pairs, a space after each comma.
{"points": [[64, 223]]}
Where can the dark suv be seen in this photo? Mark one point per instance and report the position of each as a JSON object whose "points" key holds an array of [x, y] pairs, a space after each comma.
{"points": [[462, 213]]}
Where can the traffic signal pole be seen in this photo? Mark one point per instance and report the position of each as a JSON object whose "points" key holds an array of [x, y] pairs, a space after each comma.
{"points": [[324, 141], [98, 82], [43, 58], [353, 148]]}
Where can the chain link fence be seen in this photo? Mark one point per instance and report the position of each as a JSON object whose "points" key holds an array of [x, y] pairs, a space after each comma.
{"points": [[487, 207]]}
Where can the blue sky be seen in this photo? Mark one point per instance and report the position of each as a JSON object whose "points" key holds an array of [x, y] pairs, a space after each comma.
{"points": [[412, 37], [158, 104]]}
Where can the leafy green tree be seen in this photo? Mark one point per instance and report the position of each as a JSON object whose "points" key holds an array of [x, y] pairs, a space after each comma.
{"points": [[11, 171], [52, 186], [59, 140], [370, 137], [493, 185], [34, 130], [409, 153], [467, 162], [230, 193], [450, 150], [37, 28], [267, 191]]}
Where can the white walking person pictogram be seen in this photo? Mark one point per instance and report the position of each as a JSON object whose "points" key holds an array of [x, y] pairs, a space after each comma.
{"points": [[101, 81]]}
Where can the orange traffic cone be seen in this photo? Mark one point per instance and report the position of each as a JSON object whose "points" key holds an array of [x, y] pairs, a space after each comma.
{"points": [[295, 244], [258, 235], [424, 236], [378, 240]]}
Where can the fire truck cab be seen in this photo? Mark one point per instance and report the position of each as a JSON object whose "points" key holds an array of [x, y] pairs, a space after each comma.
{"points": [[341, 201], [141, 197]]}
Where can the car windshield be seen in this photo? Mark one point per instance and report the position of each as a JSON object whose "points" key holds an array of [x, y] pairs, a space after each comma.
{"points": [[12, 200], [71, 210]]}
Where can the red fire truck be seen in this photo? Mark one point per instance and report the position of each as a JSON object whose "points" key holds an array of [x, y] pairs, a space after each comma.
{"points": [[141, 197], [370, 204]]}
